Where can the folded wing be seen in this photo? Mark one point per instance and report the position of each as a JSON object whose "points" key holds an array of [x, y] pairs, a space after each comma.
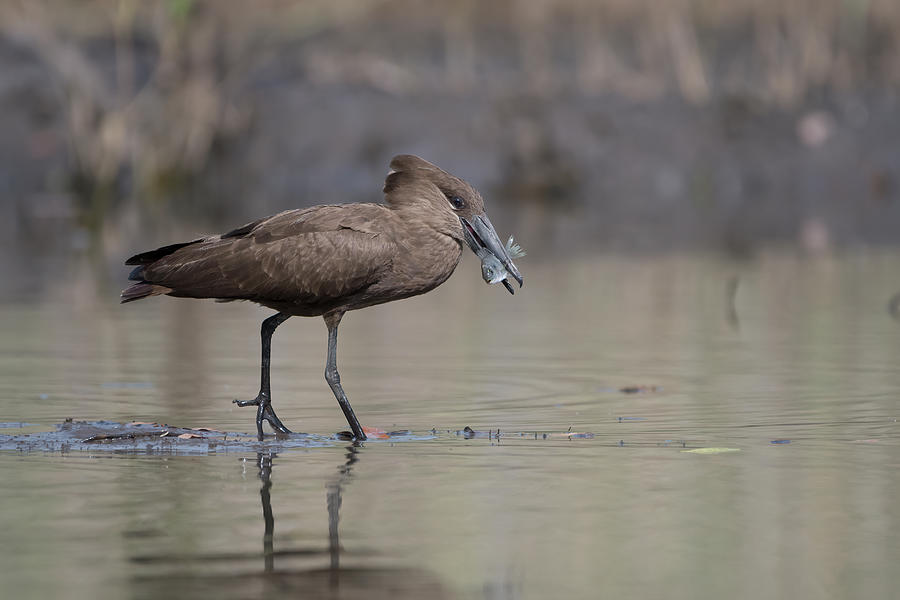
{"points": [[310, 256]]}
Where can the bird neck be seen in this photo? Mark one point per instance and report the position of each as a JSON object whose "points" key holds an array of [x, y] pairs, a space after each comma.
{"points": [[424, 220], [428, 254]]}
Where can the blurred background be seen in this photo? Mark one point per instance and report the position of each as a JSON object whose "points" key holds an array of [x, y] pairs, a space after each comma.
{"points": [[626, 125], [709, 194]]}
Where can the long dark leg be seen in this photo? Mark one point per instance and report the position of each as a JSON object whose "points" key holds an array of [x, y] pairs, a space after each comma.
{"points": [[263, 400], [332, 320]]}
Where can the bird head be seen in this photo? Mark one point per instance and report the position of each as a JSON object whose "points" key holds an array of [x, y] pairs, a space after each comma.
{"points": [[452, 205]]}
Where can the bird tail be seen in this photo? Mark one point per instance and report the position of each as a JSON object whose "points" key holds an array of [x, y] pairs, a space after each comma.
{"points": [[148, 258], [143, 290]]}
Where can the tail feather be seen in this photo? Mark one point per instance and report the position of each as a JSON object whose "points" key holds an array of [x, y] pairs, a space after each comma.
{"points": [[146, 258], [137, 274], [143, 290]]}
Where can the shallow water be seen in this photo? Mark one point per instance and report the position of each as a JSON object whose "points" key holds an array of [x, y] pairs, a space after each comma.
{"points": [[791, 362]]}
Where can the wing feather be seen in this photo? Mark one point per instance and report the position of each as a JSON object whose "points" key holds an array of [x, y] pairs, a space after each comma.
{"points": [[310, 256]]}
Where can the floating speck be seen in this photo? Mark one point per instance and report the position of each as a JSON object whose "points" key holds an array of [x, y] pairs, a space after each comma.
{"points": [[711, 450]]}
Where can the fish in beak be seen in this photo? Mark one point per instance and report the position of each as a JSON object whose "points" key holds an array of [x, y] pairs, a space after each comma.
{"points": [[497, 265]]}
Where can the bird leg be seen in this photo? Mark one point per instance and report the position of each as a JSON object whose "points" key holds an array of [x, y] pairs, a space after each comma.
{"points": [[263, 400], [332, 320]]}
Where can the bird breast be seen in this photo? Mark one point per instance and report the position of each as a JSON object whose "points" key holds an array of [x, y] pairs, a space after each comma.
{"points": [[423, 262]]}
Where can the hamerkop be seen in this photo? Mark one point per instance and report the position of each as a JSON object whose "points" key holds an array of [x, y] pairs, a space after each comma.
{"points": [[326, 260]]}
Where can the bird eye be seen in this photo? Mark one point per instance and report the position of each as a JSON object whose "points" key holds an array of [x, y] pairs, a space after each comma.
{"points": [[457, 202]]}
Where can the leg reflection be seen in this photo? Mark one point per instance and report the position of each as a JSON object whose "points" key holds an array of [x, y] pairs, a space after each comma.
{"points": [[306, 569], [334, 489], [264, 462]]}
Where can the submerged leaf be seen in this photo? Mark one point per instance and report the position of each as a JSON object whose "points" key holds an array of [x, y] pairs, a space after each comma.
{"points": [[375, 433]]}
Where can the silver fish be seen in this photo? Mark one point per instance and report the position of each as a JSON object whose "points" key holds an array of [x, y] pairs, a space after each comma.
{"points": [[493, 271]]}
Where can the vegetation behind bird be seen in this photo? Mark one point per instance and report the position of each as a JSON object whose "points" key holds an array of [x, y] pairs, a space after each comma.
{"points": [[132, 112]]}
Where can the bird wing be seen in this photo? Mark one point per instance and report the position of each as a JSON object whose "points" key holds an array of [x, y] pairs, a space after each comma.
{"points": [[307, 256]]}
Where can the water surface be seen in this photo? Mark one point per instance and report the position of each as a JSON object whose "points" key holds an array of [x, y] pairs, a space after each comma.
{"points": [[791, 362]]}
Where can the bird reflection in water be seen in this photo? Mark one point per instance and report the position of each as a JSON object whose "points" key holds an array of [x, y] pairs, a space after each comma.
{"points": [[264, 461], [335, 489], [341, 582], [196, 575]]}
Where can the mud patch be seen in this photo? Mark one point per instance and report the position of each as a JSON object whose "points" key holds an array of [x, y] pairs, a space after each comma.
{"points": [[152, 438], [155, 438]]}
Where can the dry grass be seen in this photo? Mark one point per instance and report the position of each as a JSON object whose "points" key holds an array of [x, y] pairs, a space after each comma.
{"points": [[148, 88]]}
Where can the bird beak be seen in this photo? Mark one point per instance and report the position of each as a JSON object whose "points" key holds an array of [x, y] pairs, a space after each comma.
{"points": [[482, 237]]}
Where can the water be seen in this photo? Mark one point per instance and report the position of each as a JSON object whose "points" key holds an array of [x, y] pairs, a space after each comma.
{"points": [[796, 351]]}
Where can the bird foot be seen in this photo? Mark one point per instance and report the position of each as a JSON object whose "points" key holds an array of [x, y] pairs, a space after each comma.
{"points": [[254, 402], [264, 412]]}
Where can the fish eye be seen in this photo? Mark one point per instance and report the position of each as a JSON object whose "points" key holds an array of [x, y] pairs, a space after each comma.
{"points": [[457, 202]]}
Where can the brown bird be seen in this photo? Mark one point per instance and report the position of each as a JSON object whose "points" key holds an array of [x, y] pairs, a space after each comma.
{"points": [[327, 260]]}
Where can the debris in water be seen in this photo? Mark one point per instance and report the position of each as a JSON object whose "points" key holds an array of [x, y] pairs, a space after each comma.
{"points": [[72, 435], [374, 432], [640, 389], [711, 450], [575, 435], [101, 437], [470, 433]]}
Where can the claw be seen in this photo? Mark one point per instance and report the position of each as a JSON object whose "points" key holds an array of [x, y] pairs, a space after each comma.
{"points": [[270, 416], [264, 412]]}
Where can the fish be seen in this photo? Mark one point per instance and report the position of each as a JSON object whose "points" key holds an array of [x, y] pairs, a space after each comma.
{"points": [[493, 271]]}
